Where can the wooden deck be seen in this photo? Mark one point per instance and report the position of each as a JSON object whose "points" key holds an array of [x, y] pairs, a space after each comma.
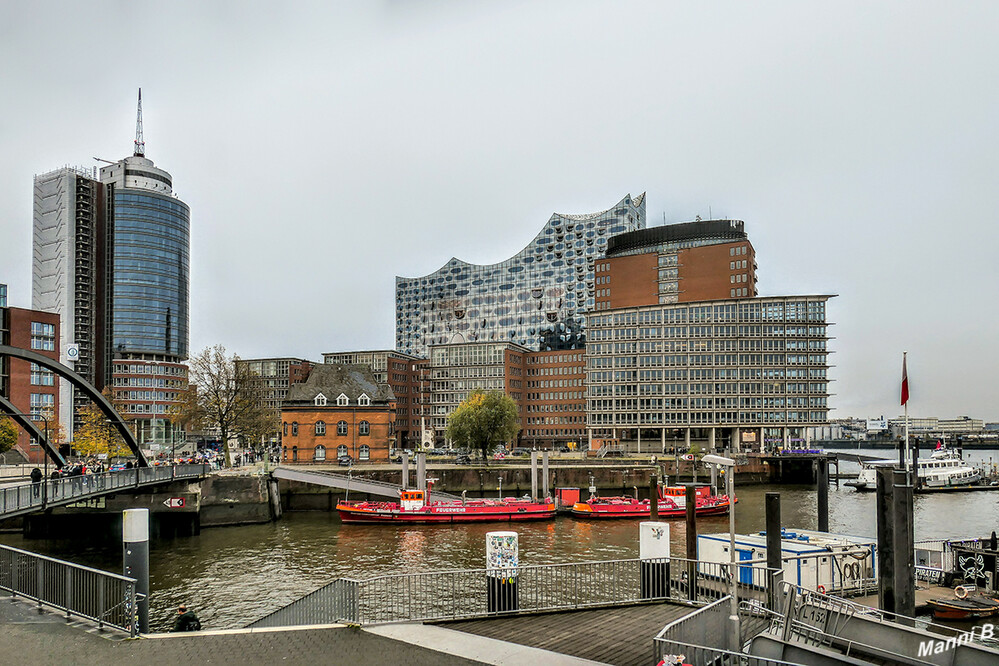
{"points": [[621, 635]]}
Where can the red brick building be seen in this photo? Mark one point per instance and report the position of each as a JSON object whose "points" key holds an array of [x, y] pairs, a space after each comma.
{"points": [[678, 263], [340, 410], [31, 388], [409, 378], [554, 398]]}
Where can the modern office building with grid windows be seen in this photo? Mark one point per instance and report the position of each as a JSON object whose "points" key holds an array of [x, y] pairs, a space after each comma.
{"points": [[734, 373]]}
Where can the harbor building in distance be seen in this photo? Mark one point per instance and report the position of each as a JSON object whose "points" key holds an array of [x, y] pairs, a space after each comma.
{"points": [[112, 259], [535, 299]]}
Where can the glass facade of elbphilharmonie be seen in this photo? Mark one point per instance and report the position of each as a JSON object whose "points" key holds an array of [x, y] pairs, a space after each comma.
{"points": [[535, 298]]}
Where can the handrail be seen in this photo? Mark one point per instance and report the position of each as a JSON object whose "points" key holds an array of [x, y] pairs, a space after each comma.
{"points": [[463, 593], [21, 498], [101, 596]]}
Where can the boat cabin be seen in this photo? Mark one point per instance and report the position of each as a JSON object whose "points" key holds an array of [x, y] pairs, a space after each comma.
{"points": [[412, 500], [679, 493]]}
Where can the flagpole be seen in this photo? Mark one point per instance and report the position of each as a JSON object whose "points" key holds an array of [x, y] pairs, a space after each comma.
{"points": [[905, 378]]}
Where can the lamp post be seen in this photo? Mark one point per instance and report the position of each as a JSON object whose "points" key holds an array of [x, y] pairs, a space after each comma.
{"points": [[733, 619]]}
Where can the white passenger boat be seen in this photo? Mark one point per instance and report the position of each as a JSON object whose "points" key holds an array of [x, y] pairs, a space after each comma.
{"points": [[943, 469]]}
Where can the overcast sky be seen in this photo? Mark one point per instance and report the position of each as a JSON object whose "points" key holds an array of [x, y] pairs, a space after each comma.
{"points": [[326, 147]]}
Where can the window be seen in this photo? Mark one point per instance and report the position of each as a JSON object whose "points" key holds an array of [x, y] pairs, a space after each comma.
{"points": [[42, 336], [364, 400], [320, 427], [41, 376], [294, 453], [42, 404], [364, 453], [341, 450], [341, 428], [320, 452], [363, 428], [285, 428], [294, 428], [320, 400], [341, 400]]}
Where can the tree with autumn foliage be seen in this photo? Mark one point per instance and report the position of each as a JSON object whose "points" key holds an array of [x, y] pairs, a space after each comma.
{"points": [[224, 397], [484, 420], [8, 434], [96, 435]]}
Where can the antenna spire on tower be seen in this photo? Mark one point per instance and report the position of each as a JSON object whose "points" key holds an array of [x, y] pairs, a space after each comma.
{"points": [[140, 145]]}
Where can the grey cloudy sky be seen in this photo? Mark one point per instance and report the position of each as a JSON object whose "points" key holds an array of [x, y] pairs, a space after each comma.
{"points": [[326, 147]]}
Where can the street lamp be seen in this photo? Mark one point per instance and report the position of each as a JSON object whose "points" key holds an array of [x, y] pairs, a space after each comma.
{"points": [[733, 619]]}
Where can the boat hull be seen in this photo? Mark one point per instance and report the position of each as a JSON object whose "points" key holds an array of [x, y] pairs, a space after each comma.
{"points": [[445, 514], [963, 609], [597, 511]]}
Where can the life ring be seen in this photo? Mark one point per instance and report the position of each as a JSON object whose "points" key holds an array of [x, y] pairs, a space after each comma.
{"points": [[821, 589], [961, 592]]}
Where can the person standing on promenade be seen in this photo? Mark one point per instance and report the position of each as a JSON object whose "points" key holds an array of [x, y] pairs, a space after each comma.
{"points": [[36, 480]]}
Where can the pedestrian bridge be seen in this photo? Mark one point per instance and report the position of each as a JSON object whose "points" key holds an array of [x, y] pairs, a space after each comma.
{"points": [[25, 498], [349, 483]]}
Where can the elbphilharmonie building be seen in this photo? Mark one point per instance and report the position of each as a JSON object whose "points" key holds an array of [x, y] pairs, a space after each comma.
{"points": [[535, 298]]}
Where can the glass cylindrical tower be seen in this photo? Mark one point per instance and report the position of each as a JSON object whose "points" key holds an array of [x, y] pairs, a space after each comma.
{"points": [[149, 232]]}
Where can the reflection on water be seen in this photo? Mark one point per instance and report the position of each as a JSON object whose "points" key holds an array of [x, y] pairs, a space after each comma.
{"points": [[234, 575]]}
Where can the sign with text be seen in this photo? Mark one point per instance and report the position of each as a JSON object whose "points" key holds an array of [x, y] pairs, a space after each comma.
{"points": [[174, 503], [877, 424]]}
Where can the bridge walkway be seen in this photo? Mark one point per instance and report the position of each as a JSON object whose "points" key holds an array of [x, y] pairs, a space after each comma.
{"points": [[21, 499], [352, 483]]}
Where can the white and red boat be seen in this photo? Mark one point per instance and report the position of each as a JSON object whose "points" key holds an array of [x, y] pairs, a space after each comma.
{"points": [[672, 504], [412, 507]]}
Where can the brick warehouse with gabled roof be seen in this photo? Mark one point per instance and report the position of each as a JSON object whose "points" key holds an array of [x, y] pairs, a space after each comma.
{"points": [[340, 410]]}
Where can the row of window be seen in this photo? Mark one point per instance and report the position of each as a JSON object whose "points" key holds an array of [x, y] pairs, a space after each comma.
{"points": [[342, 428], [342, 400], [319, 453]]}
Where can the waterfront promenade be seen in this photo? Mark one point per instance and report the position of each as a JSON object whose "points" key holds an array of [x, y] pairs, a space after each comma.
{"points": [[30, 637]]}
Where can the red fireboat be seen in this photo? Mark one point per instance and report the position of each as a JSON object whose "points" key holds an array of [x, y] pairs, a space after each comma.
{"points": [[672, 504], [412, 507]]}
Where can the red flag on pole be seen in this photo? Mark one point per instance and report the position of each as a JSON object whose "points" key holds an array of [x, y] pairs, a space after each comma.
{"points": [[905, 382]]}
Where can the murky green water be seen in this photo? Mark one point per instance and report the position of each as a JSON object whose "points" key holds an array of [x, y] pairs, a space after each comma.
{"points": [[234, 575]]}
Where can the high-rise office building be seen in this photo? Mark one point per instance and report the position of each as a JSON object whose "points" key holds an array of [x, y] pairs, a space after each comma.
{"points": [[535, 299], [111, 257]]}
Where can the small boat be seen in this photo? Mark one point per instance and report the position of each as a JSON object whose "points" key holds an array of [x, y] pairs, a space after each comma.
{"points": [[672, 504], [412, 507], [966, 604]]}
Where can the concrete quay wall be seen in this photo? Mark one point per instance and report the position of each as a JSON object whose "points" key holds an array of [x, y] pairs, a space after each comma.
{"points": [[483, 481]]}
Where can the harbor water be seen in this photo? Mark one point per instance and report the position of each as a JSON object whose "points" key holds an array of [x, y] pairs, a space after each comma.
{"points": [[232, 576]]}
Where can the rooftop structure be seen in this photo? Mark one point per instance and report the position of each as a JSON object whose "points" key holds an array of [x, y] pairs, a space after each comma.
{"points": [[535, 299]]}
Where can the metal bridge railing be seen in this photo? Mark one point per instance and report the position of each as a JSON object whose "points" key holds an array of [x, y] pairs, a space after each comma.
{"points": [[27, 497], [106, 598], [461, 594]]}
